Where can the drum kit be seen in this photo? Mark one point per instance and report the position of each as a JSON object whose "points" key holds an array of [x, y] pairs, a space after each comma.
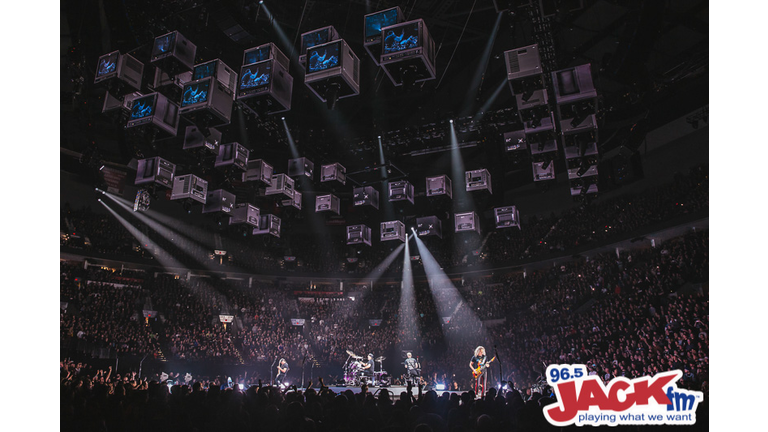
{"points": [[354, 376]]}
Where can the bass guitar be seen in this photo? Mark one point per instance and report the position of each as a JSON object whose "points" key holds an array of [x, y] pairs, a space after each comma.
{"points": [[481, 368]]}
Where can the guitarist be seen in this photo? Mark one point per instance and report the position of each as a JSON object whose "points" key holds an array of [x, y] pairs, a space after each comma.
{"points": [[413, 367], [478, 364]]}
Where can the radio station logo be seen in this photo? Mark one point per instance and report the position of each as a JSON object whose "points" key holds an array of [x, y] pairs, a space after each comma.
{"points": [[584, 399]]}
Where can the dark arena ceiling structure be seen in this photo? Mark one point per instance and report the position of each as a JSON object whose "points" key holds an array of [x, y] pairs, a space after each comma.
{"points": [[648, 61]]}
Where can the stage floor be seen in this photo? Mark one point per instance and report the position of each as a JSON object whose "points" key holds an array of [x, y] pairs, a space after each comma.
{"points": [[395, 390]]}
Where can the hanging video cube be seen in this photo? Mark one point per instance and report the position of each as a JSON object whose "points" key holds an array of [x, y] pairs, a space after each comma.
{"points": [[332, 72], [154, 116], [268, 51], [400, 191], [429, 226], [358, 234], [467, 222], [119, 73], [219, 201], [393, 230], [232, 155], [477, 180], [314, 38], [189, 186], [439, 185], [155, 170], [173, 53], [268, 224], [205, 142], [218, 70], [372, 25], [245, 213], [333, 172], [507, 217], [281, 184], [407, 53], [515, 140], [265, 87], [301, 167], [258, 170], [329, 202], [206, 103], [365, 196]]}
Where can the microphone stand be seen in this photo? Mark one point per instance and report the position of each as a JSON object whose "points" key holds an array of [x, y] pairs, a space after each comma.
{"points": [[272, 372]]}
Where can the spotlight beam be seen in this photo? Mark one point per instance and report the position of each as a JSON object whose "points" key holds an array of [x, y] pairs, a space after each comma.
{"points": [[449, 302], [407, 317], [291, 142], [477, 79], [165, 259]]}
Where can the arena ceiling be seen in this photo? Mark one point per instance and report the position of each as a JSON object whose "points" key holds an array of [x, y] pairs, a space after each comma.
{"points": [[649, 63]]}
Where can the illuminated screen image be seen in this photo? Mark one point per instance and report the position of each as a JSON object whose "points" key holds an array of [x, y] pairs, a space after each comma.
{"points": [[195, 92], [255, 75], [256, 55], [315, 38], [374, 23], [163, 44], [204, 70], [323, 58], [143, 107], [107, 64], [401, 38]]}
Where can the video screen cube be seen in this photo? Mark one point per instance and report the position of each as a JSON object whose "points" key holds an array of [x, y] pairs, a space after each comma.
{"points": [[407, 52], [295, 201], [281, 184], [439, 185], [121, 73], [170, 85], [268, 224], [232, 154], [155, 170], [401, 191], [580, 188], [372, 25], [393, 230], [301, 167], [265, 87], [195, 139], [429, 226], [218, 70], [268, 51], [334, 171], [173, 53], [523, 62], [358, 234], [515, 140], [573, 84], [316, 37], [365, 196], [506, 217], [467, 222], [333, 69], [540, 173], [258, 170], [245, 213], [206, 103], [189, 186], [219, 201], [154, 114], [329, 202], [477, 180]]}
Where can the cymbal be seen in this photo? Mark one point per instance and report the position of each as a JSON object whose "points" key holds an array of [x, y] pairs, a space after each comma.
{"points": [[382, 358], [351, 353]]}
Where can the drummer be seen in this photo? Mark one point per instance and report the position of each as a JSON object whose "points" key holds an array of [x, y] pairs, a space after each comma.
{"points": [[367, 366]]}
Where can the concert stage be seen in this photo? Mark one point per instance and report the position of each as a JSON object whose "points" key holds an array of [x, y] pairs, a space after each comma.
{"points": [[394, 390]]}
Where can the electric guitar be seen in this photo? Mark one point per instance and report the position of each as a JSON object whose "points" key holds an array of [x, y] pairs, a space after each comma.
{"points": [[481, 368]]}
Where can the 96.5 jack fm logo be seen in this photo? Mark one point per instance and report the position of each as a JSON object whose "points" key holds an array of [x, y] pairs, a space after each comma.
{"points": [[583, 399]]}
